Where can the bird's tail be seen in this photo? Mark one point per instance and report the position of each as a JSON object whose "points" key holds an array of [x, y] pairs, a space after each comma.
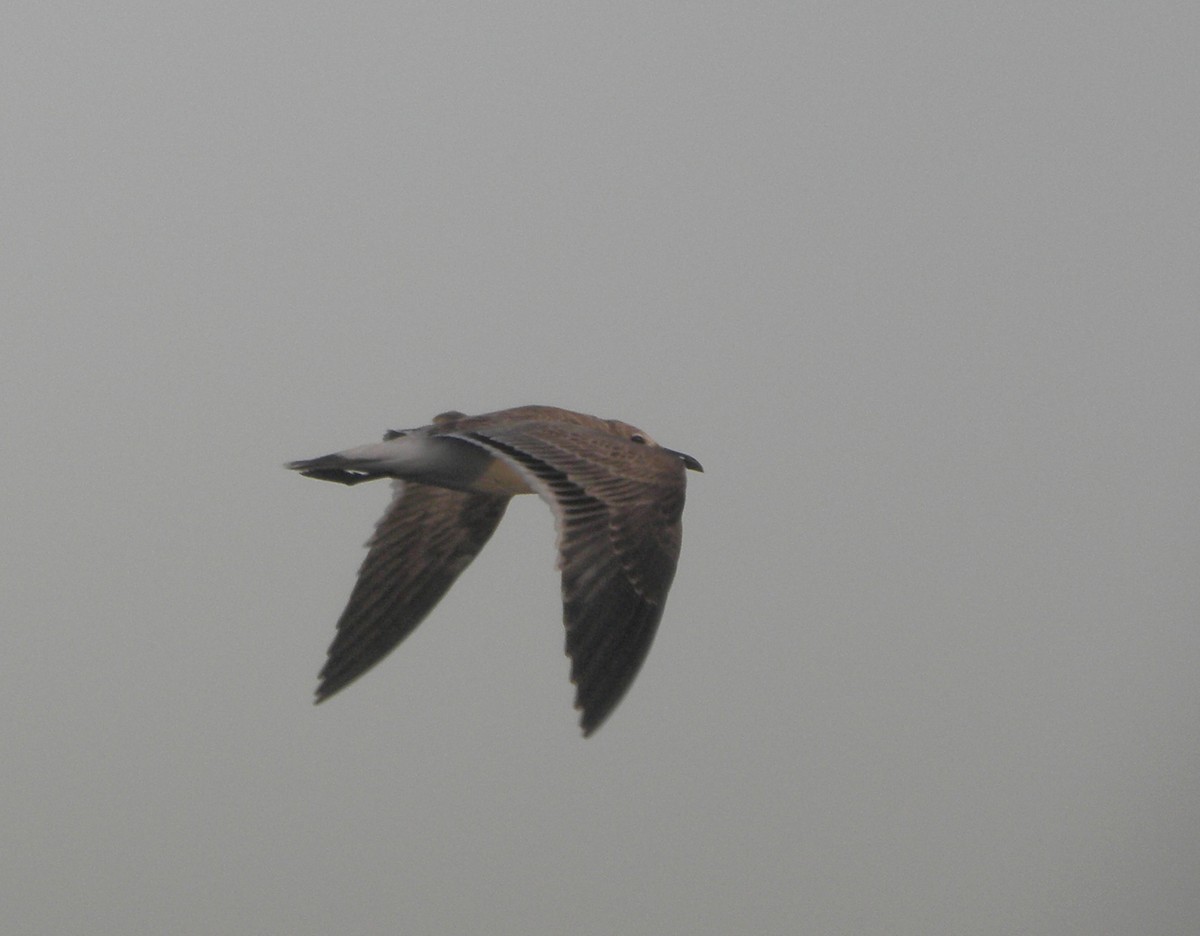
{"points": [[333, 468]]}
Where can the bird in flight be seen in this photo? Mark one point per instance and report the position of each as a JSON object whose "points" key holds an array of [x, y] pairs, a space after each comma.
{"points": [[617, 498]]}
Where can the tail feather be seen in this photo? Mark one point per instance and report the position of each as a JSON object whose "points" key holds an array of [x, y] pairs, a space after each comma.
{"points": [[331, 468], [439, 461]]}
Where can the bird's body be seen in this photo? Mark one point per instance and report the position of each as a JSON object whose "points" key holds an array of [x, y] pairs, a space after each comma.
{"points": [[617, 497]]}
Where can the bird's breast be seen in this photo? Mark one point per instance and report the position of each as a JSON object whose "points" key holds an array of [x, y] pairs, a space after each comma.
{"points": [[501, 478], [456, 463]]}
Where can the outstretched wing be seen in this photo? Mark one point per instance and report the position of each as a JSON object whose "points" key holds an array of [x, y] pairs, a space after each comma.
{"points": [[618, 507], [422, 543]]}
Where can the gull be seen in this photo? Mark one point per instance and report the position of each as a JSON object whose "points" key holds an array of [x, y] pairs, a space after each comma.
{"points": [[617, 498]]}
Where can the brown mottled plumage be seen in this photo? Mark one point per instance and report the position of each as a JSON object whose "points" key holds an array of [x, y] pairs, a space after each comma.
{"points": [[617, 497]]}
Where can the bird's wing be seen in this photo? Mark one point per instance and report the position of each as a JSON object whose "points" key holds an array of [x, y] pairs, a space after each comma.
{"points": [[617, 506], [425, 539]]}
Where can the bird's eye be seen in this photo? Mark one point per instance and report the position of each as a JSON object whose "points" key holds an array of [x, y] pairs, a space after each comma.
{"points": [[639, 439]]}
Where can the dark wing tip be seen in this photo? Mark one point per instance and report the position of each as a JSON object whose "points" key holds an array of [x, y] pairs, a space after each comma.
{"points": [[595, 712], [424, 541], [330, 683], [327, 688], [607, 651]]}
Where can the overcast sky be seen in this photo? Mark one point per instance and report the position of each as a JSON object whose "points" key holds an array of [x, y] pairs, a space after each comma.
{"points": [[918, 283]]}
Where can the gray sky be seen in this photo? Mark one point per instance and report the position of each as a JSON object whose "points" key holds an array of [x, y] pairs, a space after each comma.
{"points": [[918, 284]]}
